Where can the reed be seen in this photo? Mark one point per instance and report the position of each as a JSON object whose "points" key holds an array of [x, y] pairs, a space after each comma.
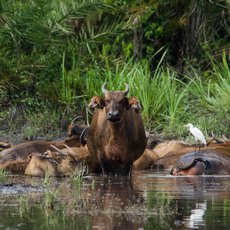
{"points": [[167, 101], [23, 206], [162, 95], [3, 175], [50, 193]]}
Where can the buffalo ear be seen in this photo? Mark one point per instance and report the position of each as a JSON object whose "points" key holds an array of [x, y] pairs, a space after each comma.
{"points": [[134, 103], [96, 103]]}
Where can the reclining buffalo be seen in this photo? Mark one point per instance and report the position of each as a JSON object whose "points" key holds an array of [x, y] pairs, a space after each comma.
{"points": [[184, 159], [202, 162], [212, 160], [35, 157]]}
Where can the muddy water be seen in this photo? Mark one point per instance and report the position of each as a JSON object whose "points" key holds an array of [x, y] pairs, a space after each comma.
{"points": [[149, 200]]}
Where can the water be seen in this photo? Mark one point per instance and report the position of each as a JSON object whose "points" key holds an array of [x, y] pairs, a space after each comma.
{"points": [[149, 200]]}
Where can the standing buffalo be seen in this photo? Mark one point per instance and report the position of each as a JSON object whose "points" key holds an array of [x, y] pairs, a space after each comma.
{"points": [[116, 137]]}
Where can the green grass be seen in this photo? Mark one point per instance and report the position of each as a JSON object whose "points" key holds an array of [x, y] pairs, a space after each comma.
{"points": [[162, 95], [3, 175], [169, 103], [169, 100], [23, 206], [76, 178], [50, 193]]}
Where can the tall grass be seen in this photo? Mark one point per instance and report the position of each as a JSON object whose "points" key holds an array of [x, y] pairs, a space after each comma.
{"points": [[162, 95], [50, 192], [71, 82], [168, 103], [219, 98], [3, 175]]}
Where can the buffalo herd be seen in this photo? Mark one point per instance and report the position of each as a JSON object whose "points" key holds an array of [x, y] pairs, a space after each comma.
{"points": [[114, 144]]}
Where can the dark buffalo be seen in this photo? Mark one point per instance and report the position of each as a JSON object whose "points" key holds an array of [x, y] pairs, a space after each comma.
{"points": [[116, 136], [200, 162], [77, 131]]}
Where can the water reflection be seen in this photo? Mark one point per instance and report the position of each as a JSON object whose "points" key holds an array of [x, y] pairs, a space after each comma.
{"points": [[187, 202], [115, 204], [150, 200], [196, 218]]}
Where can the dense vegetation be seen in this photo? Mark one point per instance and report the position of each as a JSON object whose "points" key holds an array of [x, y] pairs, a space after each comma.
{"points": [[54, 55]]}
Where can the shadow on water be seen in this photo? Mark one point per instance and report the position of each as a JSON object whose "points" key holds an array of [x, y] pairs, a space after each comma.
{"points": [[149, 200]]}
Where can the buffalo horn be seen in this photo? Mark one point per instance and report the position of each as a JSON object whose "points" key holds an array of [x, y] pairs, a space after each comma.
{"points": [[126, 91], [82, 138], [58, 150], [76, 118], [71, 153], [104, 88]]}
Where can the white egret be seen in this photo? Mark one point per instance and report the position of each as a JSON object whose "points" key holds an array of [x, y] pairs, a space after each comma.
{"points": [[199, 136]]}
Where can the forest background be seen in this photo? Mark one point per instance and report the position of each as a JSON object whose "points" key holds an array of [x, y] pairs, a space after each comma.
{"points": [[55, 55]]}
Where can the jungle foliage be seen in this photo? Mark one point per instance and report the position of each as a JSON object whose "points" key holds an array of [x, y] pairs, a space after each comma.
{"points": [[54, 55]]}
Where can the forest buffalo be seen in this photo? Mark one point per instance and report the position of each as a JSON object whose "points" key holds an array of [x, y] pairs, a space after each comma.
{"points": [[205, 161], [116, 137]]}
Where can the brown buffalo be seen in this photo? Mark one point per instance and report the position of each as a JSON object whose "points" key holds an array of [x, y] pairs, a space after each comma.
{"points": [[170, 157], [146, 160], [155, 154], [205, 161], [62, 162], [15, 159], [116, 136], [39, 165], [166, 154]]}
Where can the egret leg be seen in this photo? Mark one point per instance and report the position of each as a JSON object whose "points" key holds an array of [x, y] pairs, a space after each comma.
{"points": [[195, 145], [199, 147]]}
